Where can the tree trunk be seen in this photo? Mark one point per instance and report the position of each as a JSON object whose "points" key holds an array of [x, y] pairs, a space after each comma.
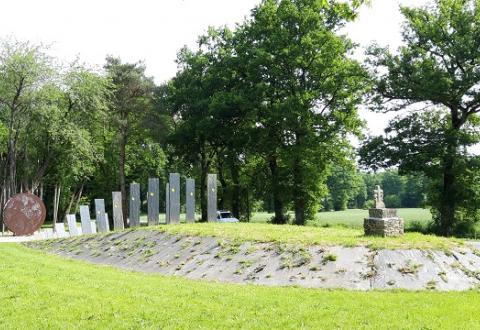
{"points": [[56, 202], [223, 184], [121, 175], [298, 194], [79, 196], [69, 207], [12, 166], [203, 186], [75, 199], [447, 208], [236, 190], [448, 198], [278, 206], [449, 190]]}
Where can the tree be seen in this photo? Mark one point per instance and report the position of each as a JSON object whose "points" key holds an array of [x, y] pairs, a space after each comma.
{"points": [[131, 101], [308, 89], [187, 100], [50, 118], [437, 69], [416, 188], [344, 186], [211, 116], [24, 70]]}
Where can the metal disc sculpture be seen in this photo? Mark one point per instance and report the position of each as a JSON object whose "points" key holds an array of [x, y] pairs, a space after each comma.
{"points": [[24, 214]]}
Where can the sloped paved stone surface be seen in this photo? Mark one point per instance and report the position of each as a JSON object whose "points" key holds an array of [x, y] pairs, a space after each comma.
{"points": [[213, 259]]}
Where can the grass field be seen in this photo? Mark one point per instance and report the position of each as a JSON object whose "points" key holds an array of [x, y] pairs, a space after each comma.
{"points": [[46, 292], [348, 218], [261, 232], [354, 218]]}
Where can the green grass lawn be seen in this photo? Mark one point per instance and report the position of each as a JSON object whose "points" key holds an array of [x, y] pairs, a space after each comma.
{"points": [[354, 218], [348, 218], [39, 291], [261, 232]]}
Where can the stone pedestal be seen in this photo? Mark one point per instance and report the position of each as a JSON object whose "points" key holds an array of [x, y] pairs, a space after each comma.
{"points": [[383, 222]]}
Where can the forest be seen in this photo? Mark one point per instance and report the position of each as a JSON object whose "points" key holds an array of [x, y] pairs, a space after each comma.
{"points": [[271, 106]]}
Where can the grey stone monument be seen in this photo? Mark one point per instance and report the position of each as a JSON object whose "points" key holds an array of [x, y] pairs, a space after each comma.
{"points": [[117, 211], [60, 230], [174, 199], [190, 200], [94, 227], [72, 225], [212, 198], [382, 221], [167, 203], [134, 205], [85, 219], [101, 218], [107, 222], [153, 201]]}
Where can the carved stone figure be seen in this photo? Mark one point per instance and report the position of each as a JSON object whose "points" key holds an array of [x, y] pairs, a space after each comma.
{"points": [[378, 198]]}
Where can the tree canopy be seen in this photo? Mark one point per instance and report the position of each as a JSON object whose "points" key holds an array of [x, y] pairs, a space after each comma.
{"points": [[437, 71], [271, 106]]}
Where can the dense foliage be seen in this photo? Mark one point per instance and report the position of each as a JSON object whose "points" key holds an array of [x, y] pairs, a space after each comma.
{"points": [[270, 106], [436, 75], [273, 101]]}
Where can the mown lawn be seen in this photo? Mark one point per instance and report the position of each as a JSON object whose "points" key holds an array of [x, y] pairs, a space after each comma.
{"points": [[354, 218], [327, 236], [46, 292], [348, 218]]}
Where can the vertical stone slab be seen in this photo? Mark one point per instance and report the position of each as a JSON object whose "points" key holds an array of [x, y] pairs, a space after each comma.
{"points": [[174, 200], [134, 205], [117, 211], [49, 234], [212, 198], [85, 220], [100, 216], [190, 200], [167, 203], [153, 201], [107, 221], [60, 230], [94, 227], [72, 225]]}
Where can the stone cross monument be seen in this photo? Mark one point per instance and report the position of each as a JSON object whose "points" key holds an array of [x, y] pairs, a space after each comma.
{"points": [[382, 221], [378, 198]]}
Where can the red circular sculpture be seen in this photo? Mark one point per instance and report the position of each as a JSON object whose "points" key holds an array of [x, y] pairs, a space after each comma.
{"points": [[24, 214]]}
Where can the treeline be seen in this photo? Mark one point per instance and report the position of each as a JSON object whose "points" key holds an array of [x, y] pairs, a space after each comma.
{"points": [[66, 131], [270, 106], [352, 189]]}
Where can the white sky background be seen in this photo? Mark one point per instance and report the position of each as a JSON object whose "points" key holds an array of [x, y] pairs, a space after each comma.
{"points": [[155, 30]]}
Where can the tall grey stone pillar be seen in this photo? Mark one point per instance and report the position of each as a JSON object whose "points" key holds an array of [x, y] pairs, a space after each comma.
{"points": [[174, 199], [72, 225], [212, 198], [167, 203], [117, 211], [85, 219], [190, 200], [153, 201], [100, 216], [134, 213], [107, 222]]}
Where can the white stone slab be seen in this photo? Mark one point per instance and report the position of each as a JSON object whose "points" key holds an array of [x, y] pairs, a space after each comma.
{"points": [[72, 225], [85, 219]]}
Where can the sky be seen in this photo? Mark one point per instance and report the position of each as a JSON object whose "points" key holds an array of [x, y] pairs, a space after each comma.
{"points": [[154, 30]]}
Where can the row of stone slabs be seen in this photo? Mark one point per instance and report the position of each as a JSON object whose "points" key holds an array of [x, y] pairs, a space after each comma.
{"points": [[172, 211]]}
